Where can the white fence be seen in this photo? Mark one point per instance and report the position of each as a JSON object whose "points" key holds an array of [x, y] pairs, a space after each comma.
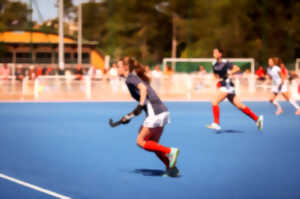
{"points": [[175, 87]]}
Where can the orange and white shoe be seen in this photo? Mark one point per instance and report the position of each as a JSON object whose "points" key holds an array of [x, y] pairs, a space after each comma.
{"points": [[279, 111], [297, 112]]}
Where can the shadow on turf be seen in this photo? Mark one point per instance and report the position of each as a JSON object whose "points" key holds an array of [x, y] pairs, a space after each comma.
{"points": [[149, 172], [229, 131], [154, 172]]}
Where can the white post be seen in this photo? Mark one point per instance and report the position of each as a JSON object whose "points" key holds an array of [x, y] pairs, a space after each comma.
{"points": [[79, 39], [106, 61], [36, 88], [88, 87], [61, 35], [297, 65]]}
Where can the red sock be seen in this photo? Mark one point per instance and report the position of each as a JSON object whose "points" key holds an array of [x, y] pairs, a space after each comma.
{"points": [[163, 158], [155, 147], [216, 112], [248, 112]]}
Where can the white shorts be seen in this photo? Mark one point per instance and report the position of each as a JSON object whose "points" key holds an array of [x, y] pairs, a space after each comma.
{"points": [[159, 120], [228, 89], [227, 86], [275, 88]]}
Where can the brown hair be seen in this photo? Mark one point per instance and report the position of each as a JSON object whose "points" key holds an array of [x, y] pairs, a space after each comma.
{"points": [[134, 65], [277, 61]]}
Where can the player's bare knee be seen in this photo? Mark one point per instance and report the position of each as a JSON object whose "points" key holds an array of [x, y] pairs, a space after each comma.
{"points": [[214, 103], [140, 142]]}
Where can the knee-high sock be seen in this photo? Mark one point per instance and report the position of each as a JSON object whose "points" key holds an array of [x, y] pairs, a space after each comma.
{"points": [[163, 158], [155, 147], [276, 104], [294, 103], [248, 112], [216, 113]]}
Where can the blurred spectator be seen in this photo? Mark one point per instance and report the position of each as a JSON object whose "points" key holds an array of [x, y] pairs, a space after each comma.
{"points": [[4, 72], [156, 73], [293, 75], [168, 71], [39, 71], [95, 73], [202, 71], [78, 72], [20, 73], [32, 73], [156, 77], [246, 73], [200, 77], [113, 77], [260, 73], [113, 72], [50, 71]]}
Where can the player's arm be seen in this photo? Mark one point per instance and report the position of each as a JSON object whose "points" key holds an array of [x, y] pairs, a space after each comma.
{"points": [[283, 75], [138, 109], [234, 70], [143, 93]]}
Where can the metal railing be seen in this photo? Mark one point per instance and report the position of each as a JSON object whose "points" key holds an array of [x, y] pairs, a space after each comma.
{"points": [[176, 87]]}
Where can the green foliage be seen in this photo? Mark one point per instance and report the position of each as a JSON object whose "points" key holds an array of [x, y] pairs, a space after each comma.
{"points": [[143, 29], [13, 15]]}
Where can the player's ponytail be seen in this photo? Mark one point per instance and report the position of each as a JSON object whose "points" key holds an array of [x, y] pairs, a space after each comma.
{"points": [[138, 68]]}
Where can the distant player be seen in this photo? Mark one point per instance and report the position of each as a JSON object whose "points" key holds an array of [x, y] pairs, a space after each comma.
{"points": [[223, 70], [157, 114], [279, 76]]}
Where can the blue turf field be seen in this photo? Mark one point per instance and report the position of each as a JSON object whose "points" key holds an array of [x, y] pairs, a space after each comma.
{"points": [[69, 148]]}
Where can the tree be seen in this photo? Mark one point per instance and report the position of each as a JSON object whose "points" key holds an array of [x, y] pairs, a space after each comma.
{"points": [[14, 15]]}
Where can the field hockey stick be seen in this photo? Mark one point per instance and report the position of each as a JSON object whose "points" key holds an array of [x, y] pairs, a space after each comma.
{"points": [[128, 117]]}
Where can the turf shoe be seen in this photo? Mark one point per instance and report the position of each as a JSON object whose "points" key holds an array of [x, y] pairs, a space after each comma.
{"points": [[172, 172], [260, 122], [172, 156], [214, 126], [279, 111]]}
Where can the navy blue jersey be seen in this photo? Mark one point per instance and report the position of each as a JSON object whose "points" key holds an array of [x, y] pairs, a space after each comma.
{"points": [[153, 101], [221, 68]]}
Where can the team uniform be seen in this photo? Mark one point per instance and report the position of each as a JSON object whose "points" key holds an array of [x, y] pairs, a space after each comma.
{"points": [[226, 85], [156, 112], [277, 87], [280, 86], [157, 115]]}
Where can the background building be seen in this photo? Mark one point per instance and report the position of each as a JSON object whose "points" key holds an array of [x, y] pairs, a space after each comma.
{"points": [[24, 47]]}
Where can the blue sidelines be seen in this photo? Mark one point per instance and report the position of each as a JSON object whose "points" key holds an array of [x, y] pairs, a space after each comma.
{"points": [[70, 149]]}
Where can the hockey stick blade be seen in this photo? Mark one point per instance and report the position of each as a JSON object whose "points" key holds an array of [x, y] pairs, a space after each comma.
{"points": [[114, 124]]}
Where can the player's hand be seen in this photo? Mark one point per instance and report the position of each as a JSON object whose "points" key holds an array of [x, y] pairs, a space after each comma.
{"points": [[125, 120]]}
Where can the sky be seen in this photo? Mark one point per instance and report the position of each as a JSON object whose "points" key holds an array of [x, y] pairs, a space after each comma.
{"points": [[47, 8]]}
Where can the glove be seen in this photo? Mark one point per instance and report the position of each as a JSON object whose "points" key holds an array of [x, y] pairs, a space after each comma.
{"points": [[126, 118], [138, 110]]}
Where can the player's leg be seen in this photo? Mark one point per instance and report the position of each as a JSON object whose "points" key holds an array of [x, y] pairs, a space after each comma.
{"points": [[156, 134], [275, 103], [237, 103], [286, 95], [172, 172], [144, 141], [219, 97]]}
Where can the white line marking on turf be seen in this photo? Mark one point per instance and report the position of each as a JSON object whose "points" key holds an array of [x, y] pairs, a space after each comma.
{"points": [[25, 184]]}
